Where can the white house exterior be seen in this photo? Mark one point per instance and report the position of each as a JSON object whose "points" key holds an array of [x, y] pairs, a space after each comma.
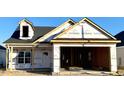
{"points": [[72, 44], [2, 56], [120, 50]]}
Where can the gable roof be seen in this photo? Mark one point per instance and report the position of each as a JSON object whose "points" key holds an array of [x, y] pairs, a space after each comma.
{"points": [[38, 32], [72, 22], [41, 31], [99, 28], [120, 36], [3, 48], [26, 20], [91, 23]]}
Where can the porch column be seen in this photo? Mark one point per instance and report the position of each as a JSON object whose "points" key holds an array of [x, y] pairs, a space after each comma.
{"points": [[113, 58], [11, 57], [7, 58], [56, 58], [32, 57]]}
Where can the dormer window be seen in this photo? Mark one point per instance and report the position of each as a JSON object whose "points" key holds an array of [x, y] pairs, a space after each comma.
{"points": [[25, 30]]}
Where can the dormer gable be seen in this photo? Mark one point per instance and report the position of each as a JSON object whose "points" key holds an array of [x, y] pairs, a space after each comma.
{"points": [[26, 29]]}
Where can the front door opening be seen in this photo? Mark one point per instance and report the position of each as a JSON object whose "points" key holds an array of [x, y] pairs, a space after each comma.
{"points": [[90, 58]]}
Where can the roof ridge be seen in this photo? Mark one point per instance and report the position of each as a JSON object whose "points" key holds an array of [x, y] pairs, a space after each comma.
{"points": [[44, 26]]}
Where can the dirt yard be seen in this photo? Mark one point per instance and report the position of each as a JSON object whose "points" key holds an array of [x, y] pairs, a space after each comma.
{"points": [[3, 72]]}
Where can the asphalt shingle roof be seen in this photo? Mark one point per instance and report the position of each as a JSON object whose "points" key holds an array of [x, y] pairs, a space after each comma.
{"points": [[38, 32], [3, 48], [120, 36]]}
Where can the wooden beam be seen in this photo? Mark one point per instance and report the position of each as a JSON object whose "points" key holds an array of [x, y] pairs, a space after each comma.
{"points": [[67, 41], [85, 41]]}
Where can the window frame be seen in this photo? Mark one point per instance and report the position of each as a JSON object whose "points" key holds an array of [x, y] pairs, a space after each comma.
{"points": [[24, 58], [23, 32]]}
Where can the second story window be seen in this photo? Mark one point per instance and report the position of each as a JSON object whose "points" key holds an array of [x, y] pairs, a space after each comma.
{"points": [[25, 30]]}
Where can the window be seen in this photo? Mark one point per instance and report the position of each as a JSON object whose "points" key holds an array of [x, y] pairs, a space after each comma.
{"points": [[25, 31], [24, 57], [27, 57], [21, 57]]}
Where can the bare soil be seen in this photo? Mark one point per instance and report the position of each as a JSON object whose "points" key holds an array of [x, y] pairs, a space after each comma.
{"points": [[3, 72]]}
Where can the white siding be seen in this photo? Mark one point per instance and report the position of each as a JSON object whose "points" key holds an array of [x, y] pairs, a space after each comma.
{"points": [[120, 56], [31, 32], [56, 58], [113, 58], [41, 60]]}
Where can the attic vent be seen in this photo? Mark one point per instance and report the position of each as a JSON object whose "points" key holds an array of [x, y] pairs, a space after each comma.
{"points": [[70, 22], [25, 31]]}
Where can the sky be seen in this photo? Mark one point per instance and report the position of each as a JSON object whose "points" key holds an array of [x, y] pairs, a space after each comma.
{"points": [[8, 25]]}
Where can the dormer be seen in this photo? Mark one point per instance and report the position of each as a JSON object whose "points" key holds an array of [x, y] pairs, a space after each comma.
{"points": [[26, 29]]}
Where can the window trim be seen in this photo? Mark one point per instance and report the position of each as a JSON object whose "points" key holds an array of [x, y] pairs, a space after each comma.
{"points": [[24, 58]]}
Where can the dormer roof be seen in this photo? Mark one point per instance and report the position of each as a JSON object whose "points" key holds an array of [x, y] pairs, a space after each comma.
{"points": [[39, 31]]}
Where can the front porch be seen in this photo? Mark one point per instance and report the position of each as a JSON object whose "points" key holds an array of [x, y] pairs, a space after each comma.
{"points": [[20, 57]]}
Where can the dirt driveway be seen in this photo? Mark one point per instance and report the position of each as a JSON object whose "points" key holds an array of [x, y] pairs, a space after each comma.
{"points": [[3, 72], [23, 73]]}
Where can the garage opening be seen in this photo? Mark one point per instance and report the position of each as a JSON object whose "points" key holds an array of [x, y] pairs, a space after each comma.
{"points": [[89, 58]]}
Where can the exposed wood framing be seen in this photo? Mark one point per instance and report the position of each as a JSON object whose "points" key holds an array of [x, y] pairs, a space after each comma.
{"points": [[85, 41]]}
